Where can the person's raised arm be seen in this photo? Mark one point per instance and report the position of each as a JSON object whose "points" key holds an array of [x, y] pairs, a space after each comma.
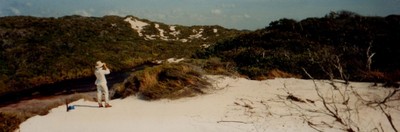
{"points": [[105, 68]]}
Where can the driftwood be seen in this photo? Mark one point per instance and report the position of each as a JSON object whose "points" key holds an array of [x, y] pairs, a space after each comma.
{"points": [[234, 122]]}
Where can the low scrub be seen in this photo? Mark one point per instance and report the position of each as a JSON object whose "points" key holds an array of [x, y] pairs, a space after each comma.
{"points": [[163, 81], [9, 122], [13, 115], [276, 73], [215, 66]]}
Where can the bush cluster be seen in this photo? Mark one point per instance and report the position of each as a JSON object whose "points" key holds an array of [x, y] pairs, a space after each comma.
{"points": [[9, 122], [163, 81]]}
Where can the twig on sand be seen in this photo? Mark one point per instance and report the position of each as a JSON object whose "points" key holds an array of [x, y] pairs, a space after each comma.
{"points": [[389, 118], [222, 121]]}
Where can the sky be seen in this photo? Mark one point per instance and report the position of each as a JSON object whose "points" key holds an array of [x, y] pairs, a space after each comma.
{"points": [[237, 14]]}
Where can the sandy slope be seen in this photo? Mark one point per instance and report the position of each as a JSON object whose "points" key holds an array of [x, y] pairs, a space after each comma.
{"points": [[235, 105]]}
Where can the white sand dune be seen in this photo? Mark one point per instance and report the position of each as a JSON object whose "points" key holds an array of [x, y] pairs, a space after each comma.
{"points": [[136, 24], [235, 105]]}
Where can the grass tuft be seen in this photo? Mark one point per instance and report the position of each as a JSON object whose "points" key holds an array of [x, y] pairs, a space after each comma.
{"points": [[164, 81]]}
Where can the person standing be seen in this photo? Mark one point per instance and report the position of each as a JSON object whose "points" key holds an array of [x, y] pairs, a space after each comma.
{"points": [[101, 83]]}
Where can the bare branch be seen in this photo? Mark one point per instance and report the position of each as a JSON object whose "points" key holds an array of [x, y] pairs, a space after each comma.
{"points": [[369, 57], [222, 121], [389, 118], [333, 110], [389, 96]]}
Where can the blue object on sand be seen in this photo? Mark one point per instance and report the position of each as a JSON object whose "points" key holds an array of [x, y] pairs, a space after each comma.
{"points": [[71, 107]]}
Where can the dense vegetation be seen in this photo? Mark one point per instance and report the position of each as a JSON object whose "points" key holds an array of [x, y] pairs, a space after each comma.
{"points": [[340, 45], [36, 51]]}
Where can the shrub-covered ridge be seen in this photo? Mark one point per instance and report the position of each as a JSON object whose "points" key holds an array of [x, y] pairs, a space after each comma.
{"points": [[335, 46], [36, 51]]}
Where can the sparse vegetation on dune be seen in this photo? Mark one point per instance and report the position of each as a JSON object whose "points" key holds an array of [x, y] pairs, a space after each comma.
{"points": [[163, 81]]}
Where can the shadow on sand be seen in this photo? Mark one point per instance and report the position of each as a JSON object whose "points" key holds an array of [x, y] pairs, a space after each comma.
{"points": [[72, 107], [87, 106]]}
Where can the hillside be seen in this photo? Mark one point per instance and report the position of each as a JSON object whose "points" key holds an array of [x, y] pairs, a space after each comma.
{"points": [[341, 45], [36, 51]]}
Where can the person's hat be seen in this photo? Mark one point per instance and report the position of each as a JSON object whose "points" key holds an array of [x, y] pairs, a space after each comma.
{"points": [[99, 64]]}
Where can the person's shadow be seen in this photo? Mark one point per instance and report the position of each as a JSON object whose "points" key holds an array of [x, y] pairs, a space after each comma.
{"points": [[87, 106], [72, 107]]}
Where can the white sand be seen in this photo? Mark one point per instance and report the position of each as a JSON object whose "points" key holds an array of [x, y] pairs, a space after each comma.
{"points": [[235, 105], [197, 35], [136, 24]]}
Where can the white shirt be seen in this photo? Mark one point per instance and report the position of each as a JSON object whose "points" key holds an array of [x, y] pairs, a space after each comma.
{"points": [[100, 75]]}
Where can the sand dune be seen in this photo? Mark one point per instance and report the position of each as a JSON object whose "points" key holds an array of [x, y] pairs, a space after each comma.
{"points": [[233, 105]]}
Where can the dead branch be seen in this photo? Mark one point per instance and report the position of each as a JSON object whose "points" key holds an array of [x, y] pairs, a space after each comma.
{"points": [[222, 121], [369, 57], [313, 126], [389, 96], [377, 103], [294, 98], [324, 102], [291, 96], [333, 112], [389, 118], [380, 104], [245, 104]]}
